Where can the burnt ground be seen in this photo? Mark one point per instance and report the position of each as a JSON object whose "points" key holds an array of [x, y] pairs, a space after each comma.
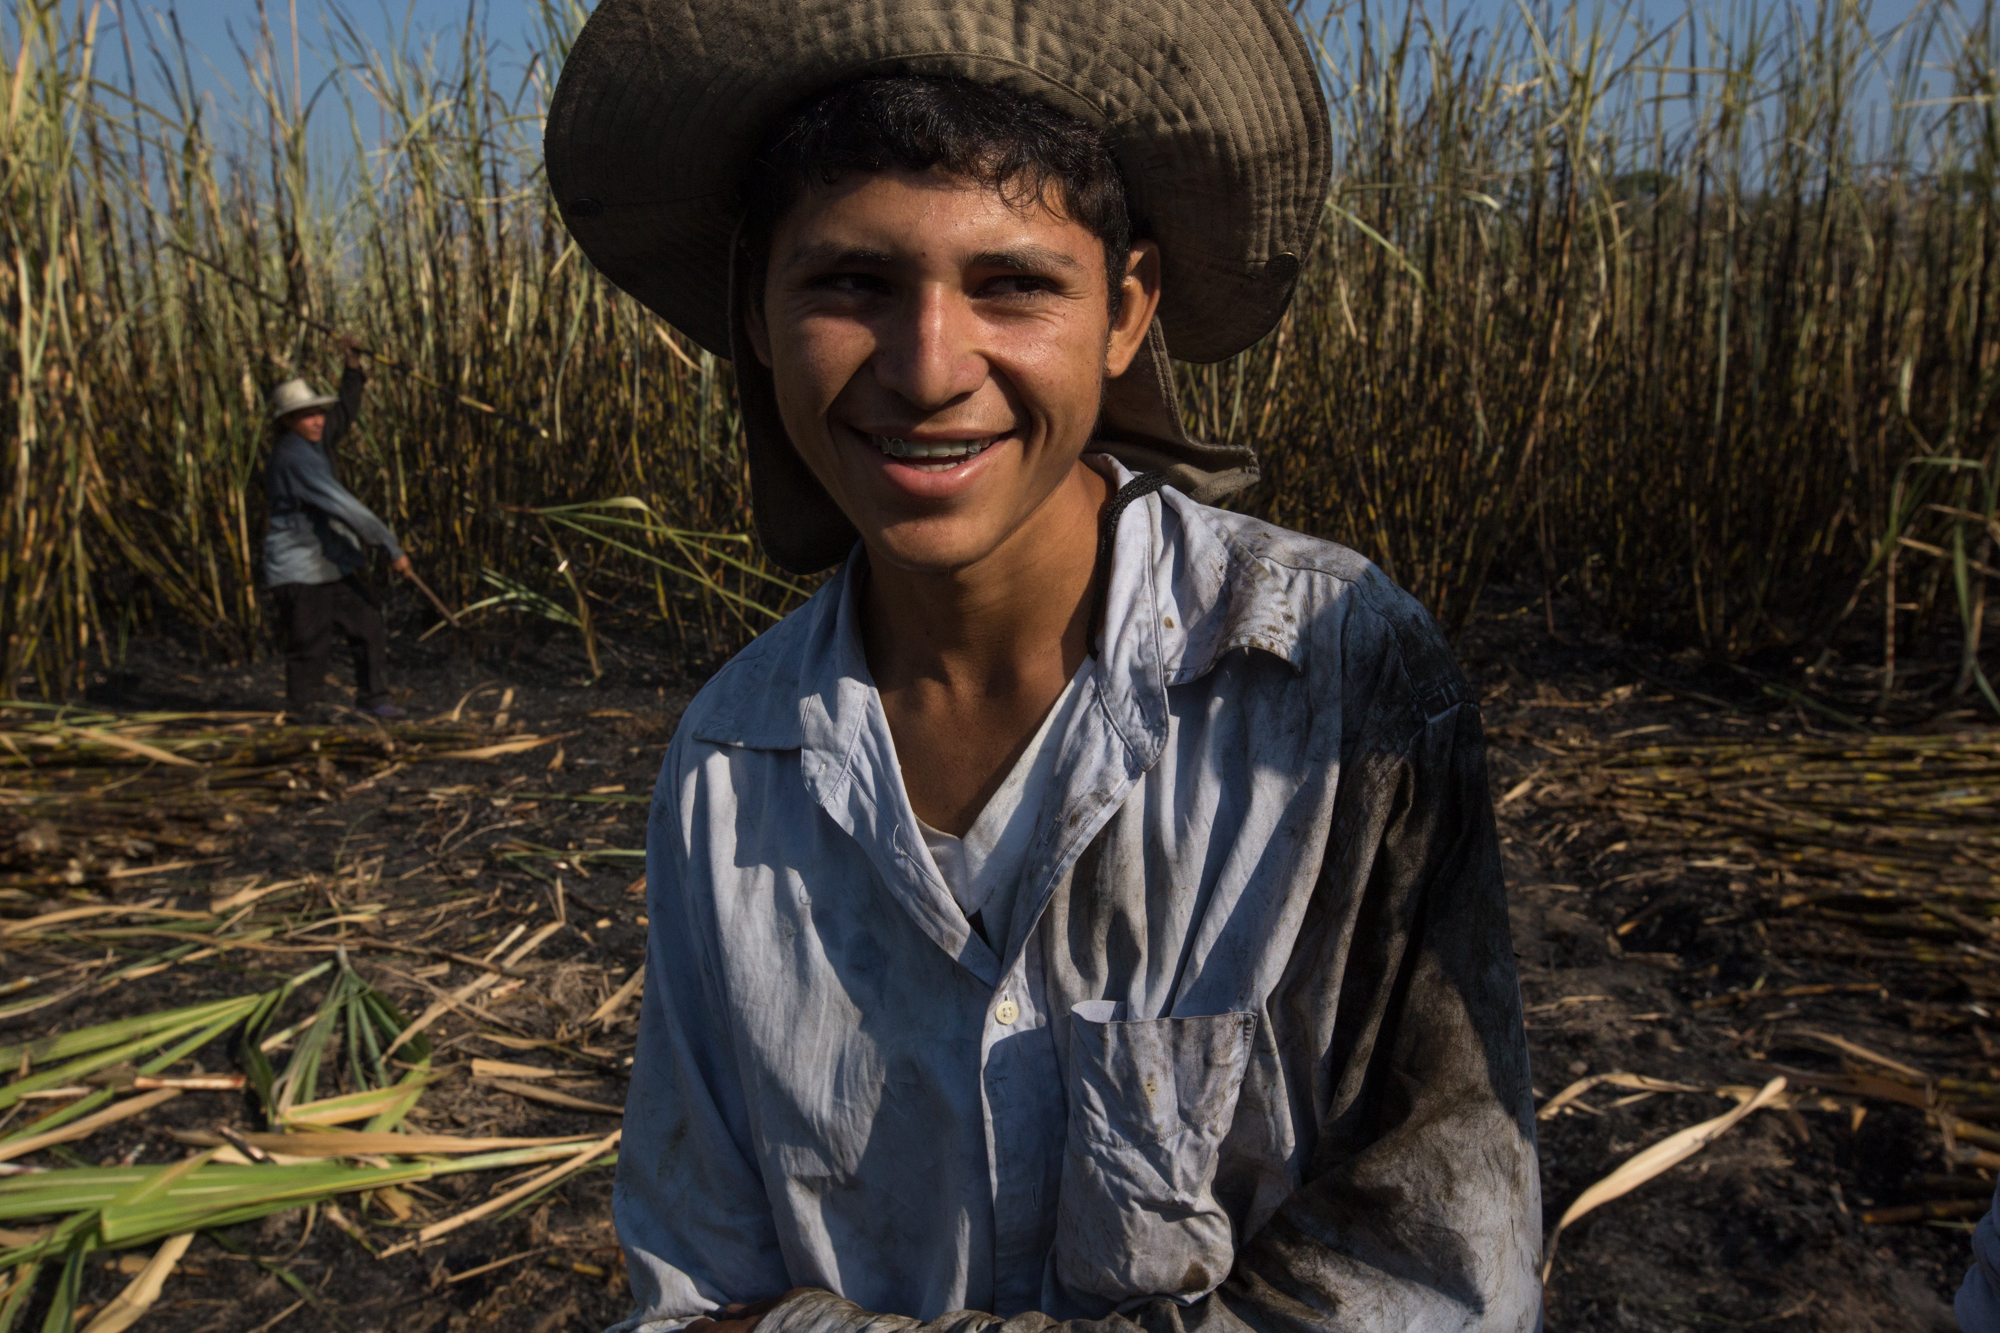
{"points": [[1763, 1229], [1653, 965]]}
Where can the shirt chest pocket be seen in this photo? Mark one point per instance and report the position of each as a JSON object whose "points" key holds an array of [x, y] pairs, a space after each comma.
{"points": [[1149, 1105]]}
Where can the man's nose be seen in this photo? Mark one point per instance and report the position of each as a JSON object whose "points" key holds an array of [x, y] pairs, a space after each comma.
{"points": [[929, 354]]}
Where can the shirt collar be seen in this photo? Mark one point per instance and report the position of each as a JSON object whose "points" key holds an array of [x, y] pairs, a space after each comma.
{"points": [[1182, 593], [1187, 587], [1199, 580]]}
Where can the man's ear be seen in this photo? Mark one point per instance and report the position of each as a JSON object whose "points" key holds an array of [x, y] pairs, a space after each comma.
{"points": [[1141, 292], [754, 327]]}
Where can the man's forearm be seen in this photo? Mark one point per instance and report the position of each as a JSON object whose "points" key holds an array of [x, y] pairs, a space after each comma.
{"points": [[352, 381], [823, 1312]]}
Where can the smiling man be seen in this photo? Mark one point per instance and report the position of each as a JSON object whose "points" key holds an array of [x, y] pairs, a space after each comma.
{"points": [[1086, 907]]}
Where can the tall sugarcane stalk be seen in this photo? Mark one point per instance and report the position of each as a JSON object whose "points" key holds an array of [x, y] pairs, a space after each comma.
{"points": [[1637, 311]]}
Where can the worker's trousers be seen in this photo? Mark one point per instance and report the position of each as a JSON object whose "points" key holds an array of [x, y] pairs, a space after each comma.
{"points": [[309, 614]]}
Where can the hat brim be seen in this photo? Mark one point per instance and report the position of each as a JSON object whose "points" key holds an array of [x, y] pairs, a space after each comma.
{"points": [[1213, 110], [306, 405]]}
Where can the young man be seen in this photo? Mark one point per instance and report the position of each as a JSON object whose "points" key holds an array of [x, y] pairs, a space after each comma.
{"points": [[313, 549], [1087, 907]]}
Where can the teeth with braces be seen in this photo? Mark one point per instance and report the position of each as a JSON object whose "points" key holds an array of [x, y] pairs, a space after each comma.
{"points": [[949, 452]]}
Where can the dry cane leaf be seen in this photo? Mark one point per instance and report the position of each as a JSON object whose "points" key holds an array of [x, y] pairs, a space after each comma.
{"points": [[1861, 1052], [87, 1126], [484, 1068], [625, 992], [321, 1143], [193, 1082], [235, 1157], [343, 1223], [496, 751], [459, 711], [497, 1263], [590, 1153], [553, 1098], [131, 1304], [139, 748], [159, 868], [399, 1204], [471, 988], [36, 923], [1649, 1162], [244, 897], [30, 1006], [280, 1317], [1618, 1080], [1565, 1002], [514, 1043], [1966, 1131]]}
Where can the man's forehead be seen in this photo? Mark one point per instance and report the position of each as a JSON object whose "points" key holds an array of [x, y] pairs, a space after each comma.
{"points": [[833, 253], [879, 218]]}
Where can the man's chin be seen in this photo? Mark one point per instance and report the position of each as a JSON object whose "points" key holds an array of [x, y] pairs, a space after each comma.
{"points": [[933, 548]]}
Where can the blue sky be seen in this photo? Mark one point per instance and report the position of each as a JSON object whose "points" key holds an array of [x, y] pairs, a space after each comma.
{"points": [[216, 31], [215, 28]]}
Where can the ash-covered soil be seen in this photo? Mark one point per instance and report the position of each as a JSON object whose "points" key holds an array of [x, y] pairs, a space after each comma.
{"points": [[1763, 1229]]}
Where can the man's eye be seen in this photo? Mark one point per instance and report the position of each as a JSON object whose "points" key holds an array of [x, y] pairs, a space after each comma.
{"points": [[850, 284], [1013, 285]]}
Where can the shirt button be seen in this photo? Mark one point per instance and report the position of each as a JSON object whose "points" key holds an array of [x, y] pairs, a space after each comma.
{"points": [[1006, 1012]]}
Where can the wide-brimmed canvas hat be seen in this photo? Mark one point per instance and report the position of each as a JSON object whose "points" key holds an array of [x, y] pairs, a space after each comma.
{"points": [[297, 396], [1212, 108]]}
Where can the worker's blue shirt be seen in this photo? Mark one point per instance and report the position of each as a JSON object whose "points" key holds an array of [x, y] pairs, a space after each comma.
{"points": [[318, 527]]}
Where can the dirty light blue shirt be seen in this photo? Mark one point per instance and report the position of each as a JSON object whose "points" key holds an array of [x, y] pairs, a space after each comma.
{"points": [[1249, 1057]]}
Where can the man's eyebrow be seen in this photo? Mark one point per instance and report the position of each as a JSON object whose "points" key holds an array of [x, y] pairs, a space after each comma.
{"points": [[832, 254], [1028, 257]]}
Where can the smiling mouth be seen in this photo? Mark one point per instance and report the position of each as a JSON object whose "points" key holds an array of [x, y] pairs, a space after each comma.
{"points": [[932, 456]]}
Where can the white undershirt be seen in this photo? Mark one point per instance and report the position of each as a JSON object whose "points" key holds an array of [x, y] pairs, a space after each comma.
{"points": [[981, 868]]}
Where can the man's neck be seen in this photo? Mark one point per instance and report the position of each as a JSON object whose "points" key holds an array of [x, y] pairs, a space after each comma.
{"points": [[969, 662]]}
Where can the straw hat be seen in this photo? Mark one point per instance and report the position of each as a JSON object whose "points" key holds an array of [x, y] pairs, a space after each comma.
{"points": [[297, 396], [1212, 108]]}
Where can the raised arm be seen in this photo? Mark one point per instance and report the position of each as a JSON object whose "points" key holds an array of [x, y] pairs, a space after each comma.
{"points": [[1420, 1208], [353, 380]]}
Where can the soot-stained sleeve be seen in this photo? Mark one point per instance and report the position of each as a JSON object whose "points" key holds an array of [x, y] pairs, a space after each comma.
{"points": [[1419, 1210]]}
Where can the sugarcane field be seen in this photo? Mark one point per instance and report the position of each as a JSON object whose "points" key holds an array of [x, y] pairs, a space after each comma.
{"points": [[427, 557]]}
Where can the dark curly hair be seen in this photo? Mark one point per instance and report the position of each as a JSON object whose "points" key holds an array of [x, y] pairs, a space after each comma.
{"points": [[1031, 151]]}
